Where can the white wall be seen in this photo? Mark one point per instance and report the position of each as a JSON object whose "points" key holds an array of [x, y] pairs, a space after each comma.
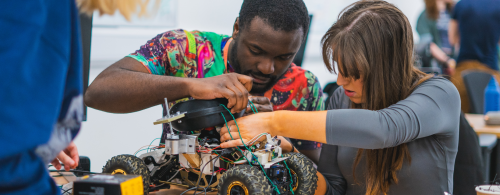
{"points": [[105, 135]]}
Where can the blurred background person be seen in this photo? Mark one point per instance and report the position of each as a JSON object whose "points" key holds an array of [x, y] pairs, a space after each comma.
{"points": [[41, 84], [475, 29], [432, 27]]}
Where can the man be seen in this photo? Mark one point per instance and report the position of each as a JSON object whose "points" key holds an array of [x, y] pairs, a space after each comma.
{"points": [[475, 27], [255, 63]]}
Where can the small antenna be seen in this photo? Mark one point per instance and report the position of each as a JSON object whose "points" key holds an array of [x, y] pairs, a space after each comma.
{"points": [[171, 134]]}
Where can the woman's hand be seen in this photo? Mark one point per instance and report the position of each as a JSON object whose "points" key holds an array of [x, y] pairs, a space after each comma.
{"points": [[298, 125], [249, 127]]}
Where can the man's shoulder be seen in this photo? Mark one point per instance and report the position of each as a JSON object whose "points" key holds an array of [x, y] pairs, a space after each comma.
{"points": [[299, 90], [182, 34]]}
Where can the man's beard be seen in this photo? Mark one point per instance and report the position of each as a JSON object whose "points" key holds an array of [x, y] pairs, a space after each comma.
{"points": [[256, 88]]}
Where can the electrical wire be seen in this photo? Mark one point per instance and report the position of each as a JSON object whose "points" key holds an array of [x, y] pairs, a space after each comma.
{"points": [[188, 190], [152, 142], [253, 155], [254, 109], [201, 173], [74, 171], [174, 175], [289, 172], [143, 148], [211, 177], [255, 139], [66, 191]]}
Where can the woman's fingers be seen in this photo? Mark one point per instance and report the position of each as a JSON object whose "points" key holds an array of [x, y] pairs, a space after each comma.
{"points": [[230, 144], [231, 136], [224, 128]]}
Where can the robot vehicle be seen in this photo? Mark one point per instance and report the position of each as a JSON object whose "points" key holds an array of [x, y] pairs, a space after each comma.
{"points": [[196, 161]]}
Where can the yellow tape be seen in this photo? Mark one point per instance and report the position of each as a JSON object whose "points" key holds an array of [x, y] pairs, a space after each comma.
{"points": [[132, 187], [169, 119]]}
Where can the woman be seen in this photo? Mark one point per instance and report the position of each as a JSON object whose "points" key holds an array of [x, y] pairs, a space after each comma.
{"points": [[432, 25], [390, 128]]}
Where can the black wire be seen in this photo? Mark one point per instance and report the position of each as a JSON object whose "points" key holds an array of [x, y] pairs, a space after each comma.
{"points": [[187, 190], [210, 182], [201, 173], [74, 171], [66, 191]]}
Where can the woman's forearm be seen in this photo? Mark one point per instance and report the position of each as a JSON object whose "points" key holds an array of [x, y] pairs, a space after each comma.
{"points": [[321, 189], [305, 125]]}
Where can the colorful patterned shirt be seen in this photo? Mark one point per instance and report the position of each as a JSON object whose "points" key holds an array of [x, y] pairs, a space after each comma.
{"points": [[199, 54]]}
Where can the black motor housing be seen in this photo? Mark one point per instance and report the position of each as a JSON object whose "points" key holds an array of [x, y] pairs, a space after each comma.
{"points": [[201, 114]]}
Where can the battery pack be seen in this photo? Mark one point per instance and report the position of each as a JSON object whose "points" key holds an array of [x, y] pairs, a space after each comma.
{"points": [[102, 184]]}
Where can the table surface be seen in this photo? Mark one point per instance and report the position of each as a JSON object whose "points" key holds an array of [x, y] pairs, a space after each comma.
{"points": [[478, 124], [62, 178]]}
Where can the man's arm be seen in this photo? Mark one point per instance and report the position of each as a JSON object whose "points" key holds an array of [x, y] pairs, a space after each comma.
{"points": [[453, 34], [127, 86]]}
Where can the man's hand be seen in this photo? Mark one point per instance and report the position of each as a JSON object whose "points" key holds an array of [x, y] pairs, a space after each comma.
{"points": [[232, 86], [261, 103], [69, 157], [286, 146]]}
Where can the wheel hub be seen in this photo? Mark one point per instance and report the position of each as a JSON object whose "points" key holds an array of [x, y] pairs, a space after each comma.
{"points": [[237, 188], [295, 181], [119, 171]]}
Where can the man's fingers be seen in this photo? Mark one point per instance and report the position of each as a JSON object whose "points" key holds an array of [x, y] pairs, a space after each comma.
{"points": [[238, 96], [260, 100], [230, 96], [266, 108], [243, 95], [245, 81], [230, 144], [248, 110]]}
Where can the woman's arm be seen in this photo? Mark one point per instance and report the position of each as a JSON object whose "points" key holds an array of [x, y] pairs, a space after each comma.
{"points": [[433, 108], [330, 179], [322, 186]]}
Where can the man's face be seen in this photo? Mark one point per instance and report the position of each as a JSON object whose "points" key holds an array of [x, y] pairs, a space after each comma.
{"points": [[263, 53]]}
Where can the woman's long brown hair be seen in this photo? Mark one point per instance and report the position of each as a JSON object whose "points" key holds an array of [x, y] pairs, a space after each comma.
{"points": [[373, 40], [432, 10]]}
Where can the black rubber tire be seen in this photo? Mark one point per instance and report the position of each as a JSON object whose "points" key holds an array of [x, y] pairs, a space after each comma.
{"points": [[306, 173], [131, 165], [251, 177]]}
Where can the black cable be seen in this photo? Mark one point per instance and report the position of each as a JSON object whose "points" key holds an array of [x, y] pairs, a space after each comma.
{"points": [[66, 191], [74, 171], [212, 177], [201, 173]]}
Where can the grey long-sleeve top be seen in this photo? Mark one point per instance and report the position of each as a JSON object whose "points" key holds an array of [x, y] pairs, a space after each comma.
{"points": [[427, 120]]}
